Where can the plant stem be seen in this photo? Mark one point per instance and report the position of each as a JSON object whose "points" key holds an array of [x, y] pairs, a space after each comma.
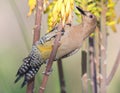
{"points": [[30, 86], [39, 8], [50, 62], [84, 62], [92, 64], [38, 18], [103, 47], [114, 69], [61, 77], [84, 71]]}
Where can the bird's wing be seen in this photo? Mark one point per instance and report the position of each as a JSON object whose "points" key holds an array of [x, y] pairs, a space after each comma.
{"points": [[50, 35], [45, 43]]}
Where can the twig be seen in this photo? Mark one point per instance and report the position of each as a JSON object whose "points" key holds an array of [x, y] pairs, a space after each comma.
{"points": [[103, 46], [39, 8], [61, 77], [50, 62], [114, 69], [30, 86], [95, 78], [92, 65], [97, 51], [38, 18], [84, 71], [84, 62]]}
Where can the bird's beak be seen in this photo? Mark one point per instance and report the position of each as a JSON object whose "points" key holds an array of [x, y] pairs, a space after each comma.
{"points": [[80, 10]]}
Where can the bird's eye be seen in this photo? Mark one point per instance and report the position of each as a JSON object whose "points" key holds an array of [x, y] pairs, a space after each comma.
{"points": [[91, 16]]}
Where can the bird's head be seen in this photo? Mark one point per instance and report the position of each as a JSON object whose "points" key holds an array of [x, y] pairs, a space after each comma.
{"points": [[88, 17]]}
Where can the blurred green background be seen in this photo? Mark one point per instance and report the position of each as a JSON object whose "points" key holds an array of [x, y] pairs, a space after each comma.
{"points": [[15, 44]]}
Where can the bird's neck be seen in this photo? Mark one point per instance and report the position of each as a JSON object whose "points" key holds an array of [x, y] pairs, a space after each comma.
{"points": [[87, 29]]}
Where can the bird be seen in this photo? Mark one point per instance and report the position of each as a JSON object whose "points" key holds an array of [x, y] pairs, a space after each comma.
{"points": [[71, 40]]}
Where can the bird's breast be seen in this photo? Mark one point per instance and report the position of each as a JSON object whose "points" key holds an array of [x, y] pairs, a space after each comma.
{"points": [[67, 45]]}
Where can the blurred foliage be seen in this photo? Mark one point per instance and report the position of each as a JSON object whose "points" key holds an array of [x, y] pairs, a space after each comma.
{"points": [[58, 11], [32, 5], [89, 5], [61, 10], [111, 15], [94, 6]]}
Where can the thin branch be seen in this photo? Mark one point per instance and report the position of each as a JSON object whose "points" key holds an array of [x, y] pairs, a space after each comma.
{"points": [[61, 77], [114, 69], [39, 8], [97, 51], [84, 71], [103, 46], [84, 62], [95, 78], [50, 62], [92, 65], [30, 86], [38, 18]]}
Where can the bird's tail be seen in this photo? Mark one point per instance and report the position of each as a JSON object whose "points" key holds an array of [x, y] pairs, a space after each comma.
{"points": [[30, 66]]}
